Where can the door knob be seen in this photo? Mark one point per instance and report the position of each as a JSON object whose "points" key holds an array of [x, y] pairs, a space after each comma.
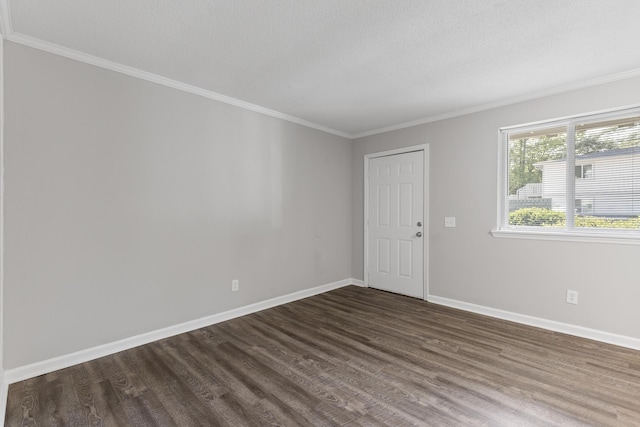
{"points": [[419, 224], [419, 234]]}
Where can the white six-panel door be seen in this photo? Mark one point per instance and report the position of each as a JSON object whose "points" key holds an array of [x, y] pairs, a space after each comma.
{"points": [[395, 228]]}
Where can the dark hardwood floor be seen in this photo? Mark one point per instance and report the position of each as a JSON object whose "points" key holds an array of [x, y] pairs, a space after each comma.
{"points": [[351, 357]]}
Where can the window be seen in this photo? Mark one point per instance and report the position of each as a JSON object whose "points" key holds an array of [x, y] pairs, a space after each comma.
{"points": [[549, 184], [584, 206], [584, 171]]}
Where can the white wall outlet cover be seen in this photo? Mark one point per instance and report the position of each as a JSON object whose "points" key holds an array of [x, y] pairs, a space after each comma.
{"points": [[450, 221], [235, 285], [572, 297]]}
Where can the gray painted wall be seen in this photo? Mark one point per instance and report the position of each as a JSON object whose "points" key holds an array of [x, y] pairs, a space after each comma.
{"points": [[468, 264], [131, 206]]}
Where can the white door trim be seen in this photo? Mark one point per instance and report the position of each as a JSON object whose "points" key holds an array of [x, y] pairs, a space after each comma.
{"points": [[425, 152]]}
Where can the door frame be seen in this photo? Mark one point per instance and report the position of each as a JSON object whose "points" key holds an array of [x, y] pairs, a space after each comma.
{"points": [[424, 148]]}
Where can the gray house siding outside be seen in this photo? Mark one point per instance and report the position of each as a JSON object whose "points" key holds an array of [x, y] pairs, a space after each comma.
{"points": [[609, 185]]}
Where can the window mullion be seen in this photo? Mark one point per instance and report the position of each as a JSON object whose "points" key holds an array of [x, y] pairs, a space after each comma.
{"points": [[503, 180], [571, 176]]}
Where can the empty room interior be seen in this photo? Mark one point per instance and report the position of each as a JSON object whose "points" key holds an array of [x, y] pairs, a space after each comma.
{"points": [[337, 213]]}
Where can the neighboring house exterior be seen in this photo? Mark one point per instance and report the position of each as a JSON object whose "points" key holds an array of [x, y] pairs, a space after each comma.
{"points": [[607, 183]]}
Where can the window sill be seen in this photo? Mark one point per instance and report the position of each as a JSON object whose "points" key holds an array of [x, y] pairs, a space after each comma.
{"points": [[567, 236]]}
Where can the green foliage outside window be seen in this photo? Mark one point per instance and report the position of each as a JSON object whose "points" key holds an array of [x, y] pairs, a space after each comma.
{"points": [[525, 152], [537, 217], [540, 217]]}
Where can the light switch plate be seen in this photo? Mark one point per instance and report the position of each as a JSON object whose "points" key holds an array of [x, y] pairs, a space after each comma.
{"points": [[450, 221]]}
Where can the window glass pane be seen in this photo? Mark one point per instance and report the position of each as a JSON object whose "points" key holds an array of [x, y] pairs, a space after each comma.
{"points": [[537, 178], [609, 154], [584, 171]]}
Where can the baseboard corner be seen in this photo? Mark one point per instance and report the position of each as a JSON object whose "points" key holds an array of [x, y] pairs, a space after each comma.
{"points": [[357, 282]]}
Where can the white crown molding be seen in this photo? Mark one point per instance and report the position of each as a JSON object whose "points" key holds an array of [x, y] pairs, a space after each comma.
{"points": [[9, 34], [39, 368], [144, 75], [505, 102], [7, 30], [551, 325]]}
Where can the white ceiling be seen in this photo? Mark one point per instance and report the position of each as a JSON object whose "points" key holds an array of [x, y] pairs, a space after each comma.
{"points": [[353, 67]]}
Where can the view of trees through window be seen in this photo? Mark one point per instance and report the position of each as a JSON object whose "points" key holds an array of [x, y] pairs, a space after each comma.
{"points": [[607, 184], [526, 151]]}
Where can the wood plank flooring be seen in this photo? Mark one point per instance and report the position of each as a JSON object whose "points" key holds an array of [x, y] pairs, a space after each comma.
{"points": [[350, 357]]}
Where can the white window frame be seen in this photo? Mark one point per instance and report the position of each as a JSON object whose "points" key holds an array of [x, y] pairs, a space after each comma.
{"points": [[582, 173], [569, 233], [587, 203]]}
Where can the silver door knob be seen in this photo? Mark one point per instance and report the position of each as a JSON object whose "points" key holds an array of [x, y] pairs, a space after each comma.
{"points": [[419, 234]]}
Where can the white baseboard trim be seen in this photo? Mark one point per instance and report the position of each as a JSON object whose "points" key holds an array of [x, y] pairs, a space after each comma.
{"points": [[33, 370], [552, 325], [357, 282]]}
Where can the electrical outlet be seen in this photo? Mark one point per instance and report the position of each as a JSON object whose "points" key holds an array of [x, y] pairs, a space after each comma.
{"points": [[572, 297], [450, 221], [235, 285]]}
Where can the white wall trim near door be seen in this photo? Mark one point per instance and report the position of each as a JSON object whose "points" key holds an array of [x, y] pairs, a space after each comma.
{"points": [[3, 384], [425, 150], [551, 325], [29, 371]]}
